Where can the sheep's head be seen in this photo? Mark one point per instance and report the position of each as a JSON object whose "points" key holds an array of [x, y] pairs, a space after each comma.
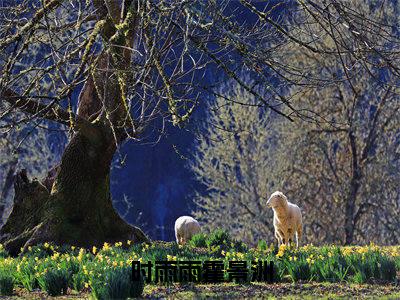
{"points": [[277, 199]]}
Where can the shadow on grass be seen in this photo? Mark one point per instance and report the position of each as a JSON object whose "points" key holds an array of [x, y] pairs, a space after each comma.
{"points": [[272, 291]]}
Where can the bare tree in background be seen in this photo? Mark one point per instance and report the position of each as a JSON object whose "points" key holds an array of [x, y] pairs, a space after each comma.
{"points": [[243, 155], [141, 65], [345, 167], [340, 159], [234, 161]]}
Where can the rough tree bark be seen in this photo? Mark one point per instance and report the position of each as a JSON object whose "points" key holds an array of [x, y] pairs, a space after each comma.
{"points": [[77, 210], [8, 183], [73, 204], [350, 223], [350, 207]]}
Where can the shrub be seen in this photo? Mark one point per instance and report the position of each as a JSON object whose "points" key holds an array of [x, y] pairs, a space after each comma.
{"points": [[39, 251], [117, 284], [54, 282], [26, 276], [397, 262], [218, 237], [262, 245], [298, 270], [222, 238], [73, 270], [78, 281], [199, 240], [6, 284], [387, 269], [371, 266], [3, 252]]}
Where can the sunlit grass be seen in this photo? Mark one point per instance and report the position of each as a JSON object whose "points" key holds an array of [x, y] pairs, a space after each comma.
{"points": [[54, 269]]}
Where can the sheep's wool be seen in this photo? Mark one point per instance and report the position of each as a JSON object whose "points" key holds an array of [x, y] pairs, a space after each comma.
{"points": [[185, 228], [287, 219]]}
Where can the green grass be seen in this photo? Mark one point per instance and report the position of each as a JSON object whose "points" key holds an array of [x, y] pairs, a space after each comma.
{"points": [[60, 269], [276, 291]]}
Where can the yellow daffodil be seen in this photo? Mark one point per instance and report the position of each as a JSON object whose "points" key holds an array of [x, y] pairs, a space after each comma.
{"points": [[81, 254], [106, 246]]}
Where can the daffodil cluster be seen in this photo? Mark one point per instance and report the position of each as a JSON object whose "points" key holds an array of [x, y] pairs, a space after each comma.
{"points": [[83, 269]]}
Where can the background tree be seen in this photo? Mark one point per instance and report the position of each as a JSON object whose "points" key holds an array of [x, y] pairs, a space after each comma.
{"points": [[136, 65], [340, 159], [234, 161], [348, 161]]}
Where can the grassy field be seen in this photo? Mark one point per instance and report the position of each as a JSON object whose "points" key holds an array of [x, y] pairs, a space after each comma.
{"points": [[253, 290], [328, 271]]}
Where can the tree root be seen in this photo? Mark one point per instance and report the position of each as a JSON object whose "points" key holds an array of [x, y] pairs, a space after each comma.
{"points": [[36, 218]]}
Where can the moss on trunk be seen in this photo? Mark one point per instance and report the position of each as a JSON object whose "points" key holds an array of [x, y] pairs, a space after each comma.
{"points": [[78, 210]]}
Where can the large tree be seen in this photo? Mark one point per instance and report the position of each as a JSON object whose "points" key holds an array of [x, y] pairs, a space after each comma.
{"points": [[134, 64]]}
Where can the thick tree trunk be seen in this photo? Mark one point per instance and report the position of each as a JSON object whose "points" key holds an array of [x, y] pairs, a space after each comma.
{"points": [[350, 206], [8, 183], [77, 210], [350, 222]]}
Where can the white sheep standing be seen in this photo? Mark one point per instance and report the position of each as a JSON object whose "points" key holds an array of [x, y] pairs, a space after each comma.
{"points": [[185, 228], [287, 219]]}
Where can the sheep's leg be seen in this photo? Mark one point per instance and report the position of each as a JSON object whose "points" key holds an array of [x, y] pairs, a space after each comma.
{"points": [[183, 236], [289, 237], [282, 236], [299, 233], [292, 242], [278, 238], [178, 238]]}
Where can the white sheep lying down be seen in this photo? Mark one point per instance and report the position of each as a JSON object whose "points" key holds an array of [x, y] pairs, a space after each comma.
{"points": [[185, 228], [287, 219]]}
